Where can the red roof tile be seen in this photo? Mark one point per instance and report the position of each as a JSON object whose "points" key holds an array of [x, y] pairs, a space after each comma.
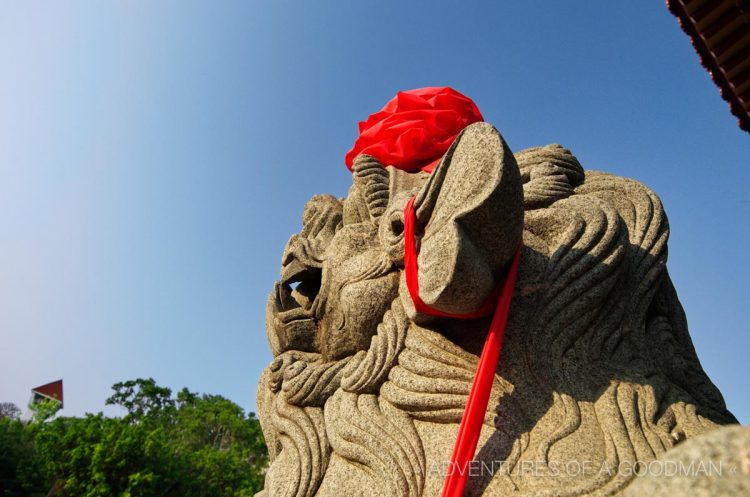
{"points": [[52, 390], [720, 33]]}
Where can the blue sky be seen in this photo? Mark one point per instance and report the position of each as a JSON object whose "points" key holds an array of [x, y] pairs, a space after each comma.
{"points": [[155, 157]]}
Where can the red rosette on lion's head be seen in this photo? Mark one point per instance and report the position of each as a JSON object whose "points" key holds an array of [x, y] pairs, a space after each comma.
{"points": [[415, 129]]}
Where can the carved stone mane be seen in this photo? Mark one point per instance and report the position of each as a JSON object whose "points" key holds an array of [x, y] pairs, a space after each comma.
{"points": [[365, 396]]}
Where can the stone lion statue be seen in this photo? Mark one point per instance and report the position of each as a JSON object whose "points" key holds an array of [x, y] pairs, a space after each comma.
{"points": [[365, 395]]}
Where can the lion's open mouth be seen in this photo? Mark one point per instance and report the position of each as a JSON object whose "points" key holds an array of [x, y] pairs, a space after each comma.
{"points": [[297, 291]]}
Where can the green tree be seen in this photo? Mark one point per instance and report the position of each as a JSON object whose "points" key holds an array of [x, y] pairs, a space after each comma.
{"points": [[225, 447], [142, 398], [101, 456], [22, 472], [190, 445], [43, 410]]}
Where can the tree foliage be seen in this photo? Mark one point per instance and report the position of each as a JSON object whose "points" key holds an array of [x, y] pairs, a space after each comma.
{"points": [[21, 468], [44, 409], [142, 399], [184, 445]]}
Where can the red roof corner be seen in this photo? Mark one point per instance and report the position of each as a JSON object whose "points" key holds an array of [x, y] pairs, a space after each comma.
{"points": [[720, 33], [53, 390]]}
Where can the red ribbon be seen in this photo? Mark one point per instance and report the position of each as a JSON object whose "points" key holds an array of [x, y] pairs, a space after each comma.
{"points": [[471, 423]]}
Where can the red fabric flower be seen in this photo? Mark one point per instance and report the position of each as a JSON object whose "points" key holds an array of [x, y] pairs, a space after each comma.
{"points": [[415, 129]]}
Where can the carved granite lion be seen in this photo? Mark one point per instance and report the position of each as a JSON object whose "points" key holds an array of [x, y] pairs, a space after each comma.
{"points": [[365, 396]]}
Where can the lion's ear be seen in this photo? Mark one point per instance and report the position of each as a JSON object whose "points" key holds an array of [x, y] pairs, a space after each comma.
{"points": [[471, 209]]}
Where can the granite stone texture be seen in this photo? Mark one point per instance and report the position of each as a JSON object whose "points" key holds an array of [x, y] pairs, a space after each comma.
{"points": [[715, 464], [597, 376]]}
